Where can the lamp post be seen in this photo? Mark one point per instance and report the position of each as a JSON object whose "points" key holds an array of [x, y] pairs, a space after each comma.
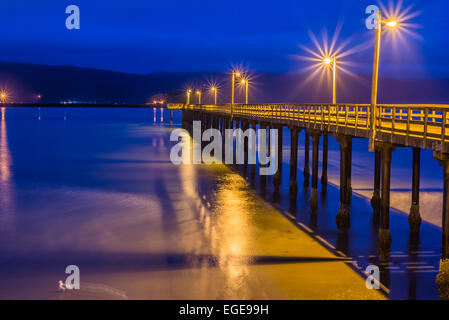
{"points": [[214, 90], [234, 74], [189, 92], [198, 92], [375, 81], [246, 83], [333, 61]]}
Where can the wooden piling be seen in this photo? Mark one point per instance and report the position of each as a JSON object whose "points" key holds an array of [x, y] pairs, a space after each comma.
{"points": [[384, 242], [315, 152], [306, 159], [414, 217], [325, 161], [293, 161]]}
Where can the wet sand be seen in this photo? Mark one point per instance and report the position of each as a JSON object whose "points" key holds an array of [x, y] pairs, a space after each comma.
{"points": [[411, 271]]}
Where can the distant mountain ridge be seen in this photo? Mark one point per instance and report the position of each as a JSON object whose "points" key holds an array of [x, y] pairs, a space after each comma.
{"points": [[56, 83]]}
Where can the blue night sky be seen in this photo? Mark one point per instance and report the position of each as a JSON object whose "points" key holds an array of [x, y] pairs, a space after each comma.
{"points": [[143, 36]]}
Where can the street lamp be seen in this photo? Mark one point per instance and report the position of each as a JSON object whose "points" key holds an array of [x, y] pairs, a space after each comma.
{"points": [[246, 83], [234, 74], [198, 92], [214, 90], [328, 61], [392, 24], [189, 92]]}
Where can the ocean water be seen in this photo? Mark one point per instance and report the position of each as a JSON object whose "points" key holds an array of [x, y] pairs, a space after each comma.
{"points": [[95, 187]]}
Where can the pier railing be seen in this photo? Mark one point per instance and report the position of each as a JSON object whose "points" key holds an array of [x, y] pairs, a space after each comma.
{"points": [[396, 123], [427, 122]]}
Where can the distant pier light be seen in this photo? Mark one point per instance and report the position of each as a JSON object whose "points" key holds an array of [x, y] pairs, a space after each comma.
{"points": [[189, 92], [214, 90], [198, 93], [233, 76], [4, 95], [245, 82]]}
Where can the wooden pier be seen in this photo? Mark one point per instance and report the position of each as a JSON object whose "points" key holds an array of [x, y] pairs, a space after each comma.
{"points": [[388, 127]]}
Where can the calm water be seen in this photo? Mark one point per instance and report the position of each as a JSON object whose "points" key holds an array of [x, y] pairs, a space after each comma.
{"points": [[96, 187]]}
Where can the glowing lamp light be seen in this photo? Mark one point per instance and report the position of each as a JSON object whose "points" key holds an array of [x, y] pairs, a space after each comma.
{"points": [[392, 23], [327, 61], [3, 96]]}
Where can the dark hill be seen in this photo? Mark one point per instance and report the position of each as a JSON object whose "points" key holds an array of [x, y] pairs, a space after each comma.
{"points": [[57, 83]]}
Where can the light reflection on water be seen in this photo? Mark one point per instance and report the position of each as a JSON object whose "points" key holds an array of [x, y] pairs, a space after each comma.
{"points": [[226, 225], [5, 157], [6, 190]]}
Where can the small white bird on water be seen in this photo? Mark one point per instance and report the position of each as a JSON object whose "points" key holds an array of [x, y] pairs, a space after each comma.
{"points": [[61, 286]]}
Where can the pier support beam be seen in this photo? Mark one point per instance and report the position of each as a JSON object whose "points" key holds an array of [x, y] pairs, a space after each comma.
{"points": [[224, 126], [216, 125], [314, 193], [324, 165], [204, 127], [306, 159], [384, 244], [245, 126], [253, 161], [277, 179], [293, 162], [204, 119], [234, 124], [343, 218], [443, 275], [349, 189], [414, 217], [268, 128], [375, 200], [263, 178], [184, 122]]}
